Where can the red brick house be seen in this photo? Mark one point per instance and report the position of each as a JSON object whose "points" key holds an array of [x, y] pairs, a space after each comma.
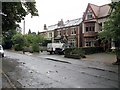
{"points": [[69, 32], [93, 21]]}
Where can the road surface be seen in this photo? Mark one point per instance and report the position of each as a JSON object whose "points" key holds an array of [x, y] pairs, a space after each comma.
{"points": [[35, 71]]}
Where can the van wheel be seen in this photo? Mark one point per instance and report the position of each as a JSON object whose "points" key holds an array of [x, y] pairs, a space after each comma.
{"points": [[2, 55], [55, 52], [50, 52]]}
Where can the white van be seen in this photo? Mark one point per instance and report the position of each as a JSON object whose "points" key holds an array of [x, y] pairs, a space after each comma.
{"points": [[55, 48], [1, 51]]}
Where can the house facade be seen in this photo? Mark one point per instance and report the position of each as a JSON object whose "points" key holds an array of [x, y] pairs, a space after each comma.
{"points": [[81, 32], [93, 21], [70, 33], [48, 32]]}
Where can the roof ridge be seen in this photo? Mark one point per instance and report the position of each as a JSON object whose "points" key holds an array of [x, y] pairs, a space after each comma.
{"points": [[104, 5], [98, 5], [74, 19], [93, 4], [52, 25]]}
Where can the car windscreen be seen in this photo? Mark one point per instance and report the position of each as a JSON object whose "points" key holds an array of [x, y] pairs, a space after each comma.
{"points": [[0, 47]]}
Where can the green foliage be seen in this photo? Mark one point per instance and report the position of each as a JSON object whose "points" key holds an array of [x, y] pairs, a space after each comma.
{"points": [[39, 39], [112, 25], [75, 53], [18, 47], [7, 38], [45, 42], [34, 39], [92, 50], [80, 52], [27, 49], [27, 41], [29, 32], [35, 47], [18, 41], [16, 11]]}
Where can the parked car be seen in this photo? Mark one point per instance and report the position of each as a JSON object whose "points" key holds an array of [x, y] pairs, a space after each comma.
{"points": [[1, 51], [55, 48]]}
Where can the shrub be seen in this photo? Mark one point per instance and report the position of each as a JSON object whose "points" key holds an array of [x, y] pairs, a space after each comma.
{"points": [[27, 49], [75, 53], [92, 50], [81, 52], [35, 47], [18, 47]]}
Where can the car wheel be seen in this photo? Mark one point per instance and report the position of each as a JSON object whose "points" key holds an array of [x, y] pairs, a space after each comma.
{"points": [[2, 55]]}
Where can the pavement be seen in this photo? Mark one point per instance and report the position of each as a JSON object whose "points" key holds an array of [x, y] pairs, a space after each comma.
{"points": [[4, 81], [101, 60], [107, 58], [104, 60]]}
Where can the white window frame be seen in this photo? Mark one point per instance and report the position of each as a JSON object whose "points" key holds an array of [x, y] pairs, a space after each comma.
{"points": [[59, 32], [73, 41], [89, 15], [50, 34], [73, 31], [90, 44]]}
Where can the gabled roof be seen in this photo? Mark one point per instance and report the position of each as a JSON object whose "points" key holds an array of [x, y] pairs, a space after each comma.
{"points": [[104, 11], [98, 11], [95, 8]]}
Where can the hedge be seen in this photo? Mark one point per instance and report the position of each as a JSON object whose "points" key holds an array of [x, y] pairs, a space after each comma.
{"points": [[92, 50], [74, 53], [27, 49], [18, 47], [82, 51]]}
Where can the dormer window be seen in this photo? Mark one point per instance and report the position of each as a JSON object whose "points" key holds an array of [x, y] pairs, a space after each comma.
{"points": [[89, 15]]}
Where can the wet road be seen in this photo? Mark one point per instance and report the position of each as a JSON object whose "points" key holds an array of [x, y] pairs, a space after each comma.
{"points": [[32, 71]]}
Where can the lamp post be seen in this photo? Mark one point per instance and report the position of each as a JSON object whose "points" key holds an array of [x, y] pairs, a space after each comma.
{"points": [[24, 27], [1, 13]]}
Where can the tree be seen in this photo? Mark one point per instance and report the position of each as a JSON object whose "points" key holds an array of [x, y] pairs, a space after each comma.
{"points": [[15, 12], [7, 42], [112, 28], [29, 32], [18, 41], [34, 41]]}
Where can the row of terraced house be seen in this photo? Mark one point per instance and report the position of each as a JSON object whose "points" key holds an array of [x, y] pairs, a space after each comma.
{"points": [[81, 32]]}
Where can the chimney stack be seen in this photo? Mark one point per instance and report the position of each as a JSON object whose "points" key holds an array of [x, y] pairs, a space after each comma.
{"points": [[45, 27]]}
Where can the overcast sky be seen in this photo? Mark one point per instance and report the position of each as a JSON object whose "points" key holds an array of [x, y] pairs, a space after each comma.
{"points": [[52, 11]]}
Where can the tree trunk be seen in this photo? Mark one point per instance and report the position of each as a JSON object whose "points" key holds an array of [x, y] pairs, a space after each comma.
{"points": [[117, 45], [117, 57]]}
